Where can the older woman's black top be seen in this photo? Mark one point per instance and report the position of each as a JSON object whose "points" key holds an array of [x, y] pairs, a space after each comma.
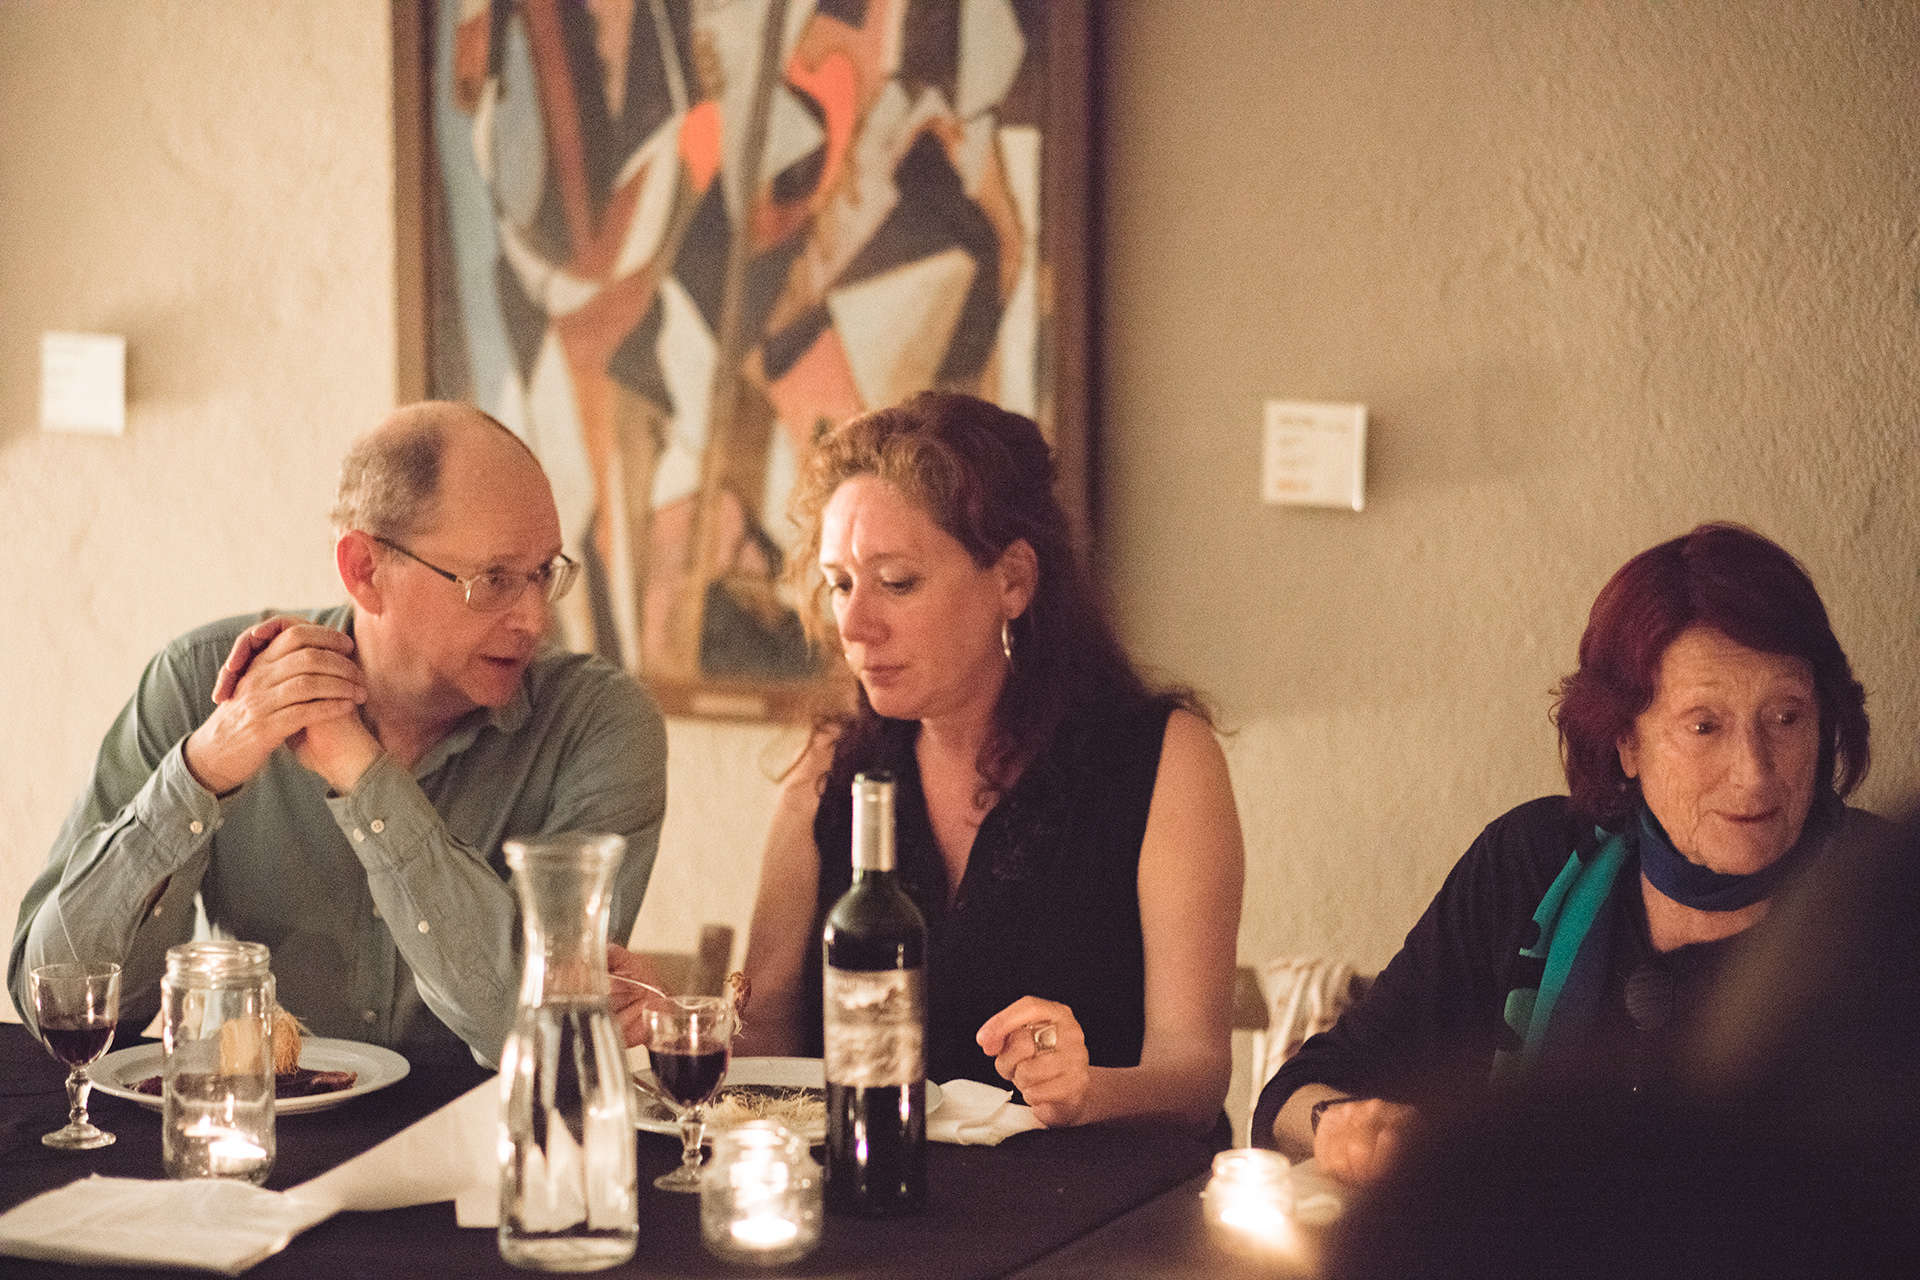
{"points": [[1427, 1030], [1049, 905]]}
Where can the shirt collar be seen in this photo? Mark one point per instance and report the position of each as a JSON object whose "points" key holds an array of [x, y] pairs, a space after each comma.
{"points": [[505, 719]]}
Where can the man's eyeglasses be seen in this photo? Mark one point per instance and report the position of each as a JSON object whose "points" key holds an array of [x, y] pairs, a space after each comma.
{"points": [[498, 589]]}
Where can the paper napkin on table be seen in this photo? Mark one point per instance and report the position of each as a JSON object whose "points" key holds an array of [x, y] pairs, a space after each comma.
{"points": [[215, 1224], [451, 1154], [1317, 1199], [207, 1224], [975, 1114]]}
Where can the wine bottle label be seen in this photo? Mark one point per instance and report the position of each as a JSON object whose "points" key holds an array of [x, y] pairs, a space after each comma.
{"points": [[875, 1024]]}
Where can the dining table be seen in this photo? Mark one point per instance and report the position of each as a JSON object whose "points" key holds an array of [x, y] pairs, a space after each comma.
{"points": [[1096, 1200]]}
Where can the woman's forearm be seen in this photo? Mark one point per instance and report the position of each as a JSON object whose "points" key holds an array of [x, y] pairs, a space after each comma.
{"points": [[1189, 1092]]}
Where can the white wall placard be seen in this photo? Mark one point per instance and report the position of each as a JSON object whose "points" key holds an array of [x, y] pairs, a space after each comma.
{"points": [[1315, 454], [83, 382]]}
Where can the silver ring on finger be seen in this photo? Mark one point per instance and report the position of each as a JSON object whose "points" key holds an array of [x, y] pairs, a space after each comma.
{"points": [[1046, 1037]]}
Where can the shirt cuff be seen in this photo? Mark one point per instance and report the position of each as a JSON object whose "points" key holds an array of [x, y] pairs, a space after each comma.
{"points": [[180, 814], [385, 815]]}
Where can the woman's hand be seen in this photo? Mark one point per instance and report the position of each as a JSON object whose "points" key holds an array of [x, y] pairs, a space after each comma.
{"points": [[1359, 1142], [1038, 1046]]}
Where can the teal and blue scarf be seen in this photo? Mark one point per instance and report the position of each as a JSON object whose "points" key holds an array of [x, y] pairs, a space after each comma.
{"points": [[1692, 885], [1558, 974], [1561, 970]]}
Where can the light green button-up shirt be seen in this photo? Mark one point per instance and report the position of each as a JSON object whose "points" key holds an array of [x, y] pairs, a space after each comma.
{"points": [[387, 911]]}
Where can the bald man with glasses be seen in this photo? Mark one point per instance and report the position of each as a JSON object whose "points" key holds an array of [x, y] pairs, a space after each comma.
{"points": [[338, 783]]}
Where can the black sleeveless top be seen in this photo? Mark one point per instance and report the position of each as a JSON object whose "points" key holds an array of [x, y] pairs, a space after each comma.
{"points": [[1049, 904]]}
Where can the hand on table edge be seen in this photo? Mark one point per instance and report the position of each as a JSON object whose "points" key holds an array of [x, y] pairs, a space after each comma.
{"points": [[1054, 1080], [1358, 1140]]}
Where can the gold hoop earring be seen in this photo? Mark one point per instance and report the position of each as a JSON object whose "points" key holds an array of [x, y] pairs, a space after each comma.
{"points": [[1006, 639]]}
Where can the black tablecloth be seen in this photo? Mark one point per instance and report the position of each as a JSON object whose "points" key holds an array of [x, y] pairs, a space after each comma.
{"points": [[993, 1210]]}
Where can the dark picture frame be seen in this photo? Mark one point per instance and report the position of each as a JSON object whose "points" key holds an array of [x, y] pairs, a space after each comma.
{"points": [[569, 261]]}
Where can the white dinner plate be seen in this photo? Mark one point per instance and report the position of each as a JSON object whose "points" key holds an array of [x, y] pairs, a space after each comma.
{"points": [[783, 1073], [117, 1073]]}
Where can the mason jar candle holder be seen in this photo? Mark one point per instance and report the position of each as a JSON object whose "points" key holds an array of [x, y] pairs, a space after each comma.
{"points": [[760, 1196], [1249, 1202], [216, 1093]]}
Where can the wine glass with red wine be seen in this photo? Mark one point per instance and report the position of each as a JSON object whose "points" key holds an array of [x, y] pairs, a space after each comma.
{"points": [[76, 1006], [689, 1040]]}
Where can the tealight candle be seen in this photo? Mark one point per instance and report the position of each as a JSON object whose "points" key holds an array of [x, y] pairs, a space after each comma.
{"points": [[232, 1152], [225, 1152], [1249, 1201], [760, 1195], [765, 1232]]}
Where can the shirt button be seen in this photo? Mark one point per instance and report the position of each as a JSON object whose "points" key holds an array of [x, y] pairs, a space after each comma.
{"points": [[378, 825], [157, 909], [367, 1016], [423, 926], [196, 826], [376, 913], [359, 835]]}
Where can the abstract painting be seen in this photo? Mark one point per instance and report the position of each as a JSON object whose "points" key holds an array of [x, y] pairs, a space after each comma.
{"points": [[669, 242]]}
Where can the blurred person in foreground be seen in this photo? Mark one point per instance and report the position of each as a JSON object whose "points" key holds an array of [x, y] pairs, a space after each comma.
{"points": [[1709, 737], [1068, 833], [1789, 1145], [338, 783]]}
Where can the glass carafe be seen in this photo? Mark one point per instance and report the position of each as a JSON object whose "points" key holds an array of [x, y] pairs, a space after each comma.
{"points": [[567, 1196]]}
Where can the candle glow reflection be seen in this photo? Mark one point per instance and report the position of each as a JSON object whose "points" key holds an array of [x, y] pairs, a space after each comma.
{"points": [[1249, 1200], [231, 1148]]}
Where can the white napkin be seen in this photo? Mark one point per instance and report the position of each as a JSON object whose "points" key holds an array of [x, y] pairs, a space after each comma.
{"points": [[452, 1154], [1317, 1199], [207, 1224], [977, 1115], [225, 1226]]}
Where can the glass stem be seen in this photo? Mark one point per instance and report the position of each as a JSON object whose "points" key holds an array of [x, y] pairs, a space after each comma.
{"points": [[691, 1126], [78, 1087]]}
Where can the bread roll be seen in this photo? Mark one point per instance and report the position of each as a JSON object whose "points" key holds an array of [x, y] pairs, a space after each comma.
{"points": [[287, 1031]]}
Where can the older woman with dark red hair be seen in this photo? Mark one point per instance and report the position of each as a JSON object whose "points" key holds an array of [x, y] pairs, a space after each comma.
{"points": [[1709, 737]]}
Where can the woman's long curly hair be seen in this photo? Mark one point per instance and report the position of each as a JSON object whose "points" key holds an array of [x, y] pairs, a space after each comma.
{"points": [[985, 477]]}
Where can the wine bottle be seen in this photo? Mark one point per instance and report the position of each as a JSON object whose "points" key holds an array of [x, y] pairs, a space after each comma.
{"points": [[875, 947]]}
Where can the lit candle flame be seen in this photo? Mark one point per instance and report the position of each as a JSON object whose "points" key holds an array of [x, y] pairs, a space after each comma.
{"points": [[226, 1144], [764, 1231], [1251, 1200]]}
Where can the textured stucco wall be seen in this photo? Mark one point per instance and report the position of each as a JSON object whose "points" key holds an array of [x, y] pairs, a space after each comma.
{"points": [[1600, 272], [215, 183]]}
